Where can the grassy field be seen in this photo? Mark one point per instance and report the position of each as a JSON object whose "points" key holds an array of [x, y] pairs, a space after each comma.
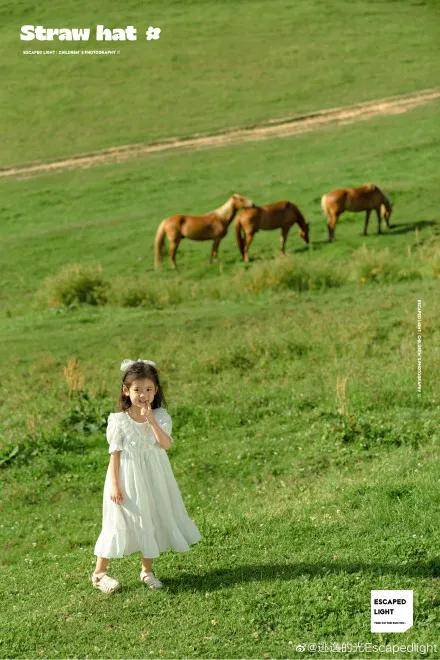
{"points": [[216, 65], [302, 449], [110, 214]]}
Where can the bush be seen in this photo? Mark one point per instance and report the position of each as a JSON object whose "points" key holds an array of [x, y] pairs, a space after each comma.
{"points": [[85, 416], [366, 431], [147, 293], [42, 442], [430, 255], [286, 273], [435, 264], [74, 284], [380, 267]]}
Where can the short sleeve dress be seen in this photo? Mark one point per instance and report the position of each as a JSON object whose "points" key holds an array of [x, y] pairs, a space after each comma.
{"points": [[152, 517]]}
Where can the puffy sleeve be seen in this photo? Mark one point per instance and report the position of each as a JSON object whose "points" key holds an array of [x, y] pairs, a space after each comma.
{"points": [[114, 435], [165, 421]]}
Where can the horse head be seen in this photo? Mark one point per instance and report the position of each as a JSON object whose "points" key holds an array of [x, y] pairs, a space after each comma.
{"points": [[385, 208], [303, 225], [241, 202], [236, 203]]}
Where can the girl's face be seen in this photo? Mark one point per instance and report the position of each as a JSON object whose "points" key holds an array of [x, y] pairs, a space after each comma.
{"points": [[141, 391]]}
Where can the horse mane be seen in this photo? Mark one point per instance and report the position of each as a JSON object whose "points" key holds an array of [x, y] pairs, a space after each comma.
{"points": [[300, 215], [385, 200], [223, 210], [371, 186]]}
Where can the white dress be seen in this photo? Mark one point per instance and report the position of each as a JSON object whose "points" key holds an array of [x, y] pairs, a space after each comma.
{"points": [[152, 517]]}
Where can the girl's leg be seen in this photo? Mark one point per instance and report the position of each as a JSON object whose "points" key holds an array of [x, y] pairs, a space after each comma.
{"points": [[147, 564], [101, 564], [151, 580], [101, 580]]}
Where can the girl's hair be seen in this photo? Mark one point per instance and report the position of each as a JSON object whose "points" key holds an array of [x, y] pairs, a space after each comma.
{"points": [[137, 371]]}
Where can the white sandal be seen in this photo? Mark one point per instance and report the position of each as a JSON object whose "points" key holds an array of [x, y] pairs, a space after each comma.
{"points": [[150, 579], [105, 583]]}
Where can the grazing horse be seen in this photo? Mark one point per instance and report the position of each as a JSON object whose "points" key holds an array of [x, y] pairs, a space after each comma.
{"points": [[211, 226], [365, 198], [279, 215]]}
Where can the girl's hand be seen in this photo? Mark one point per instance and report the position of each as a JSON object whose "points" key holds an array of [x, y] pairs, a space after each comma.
{"points": [[147, 412], [116, 494]]}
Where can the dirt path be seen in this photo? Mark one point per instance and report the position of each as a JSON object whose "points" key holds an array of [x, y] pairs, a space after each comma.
{"points": [[272, 129]]}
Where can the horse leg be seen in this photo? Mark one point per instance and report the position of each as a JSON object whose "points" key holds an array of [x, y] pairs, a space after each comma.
{"points": [[215, 244], [379, 230], [331, 224], [367, 217], [174, 244], [247, 242], [283, 238]]}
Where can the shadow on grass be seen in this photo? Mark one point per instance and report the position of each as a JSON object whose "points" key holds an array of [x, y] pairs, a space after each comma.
{"points": [[406, 227], [303, 248], [265, 255], [394, 230], [218, 579], [320, 243]]}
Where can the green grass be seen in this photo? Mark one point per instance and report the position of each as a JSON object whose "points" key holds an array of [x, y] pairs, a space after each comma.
{"points": [[305, 500], [302, 449], [114, 211], [283, 560], [284, 501], [216, 65]]}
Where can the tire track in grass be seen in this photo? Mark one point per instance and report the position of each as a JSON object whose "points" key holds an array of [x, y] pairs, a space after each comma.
{"points": [[277, 128]]}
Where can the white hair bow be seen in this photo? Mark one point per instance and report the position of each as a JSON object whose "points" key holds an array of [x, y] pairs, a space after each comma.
{"points": [[125, 364]]}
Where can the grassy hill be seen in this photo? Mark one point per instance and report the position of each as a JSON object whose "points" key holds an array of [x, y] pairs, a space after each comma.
{"points": [[302, 449], [216, 65]]}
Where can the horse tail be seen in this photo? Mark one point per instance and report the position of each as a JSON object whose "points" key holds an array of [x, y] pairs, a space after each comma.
{"points": [[158, 243], [239, 234], [324, 204]]}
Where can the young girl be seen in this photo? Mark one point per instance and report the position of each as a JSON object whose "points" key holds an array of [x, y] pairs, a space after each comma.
{"points": [[142, 505]]}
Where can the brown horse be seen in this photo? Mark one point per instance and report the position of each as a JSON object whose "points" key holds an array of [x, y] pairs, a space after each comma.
{"points": [[365, 198], [279, 215], [211, 226]]}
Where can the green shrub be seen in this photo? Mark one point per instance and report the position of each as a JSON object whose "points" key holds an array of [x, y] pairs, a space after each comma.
{"points": [[380, 267], [367, 431], [85, 416], [74, 284], [430, 255], [41, 443], [286, 273], [145, 292]]}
